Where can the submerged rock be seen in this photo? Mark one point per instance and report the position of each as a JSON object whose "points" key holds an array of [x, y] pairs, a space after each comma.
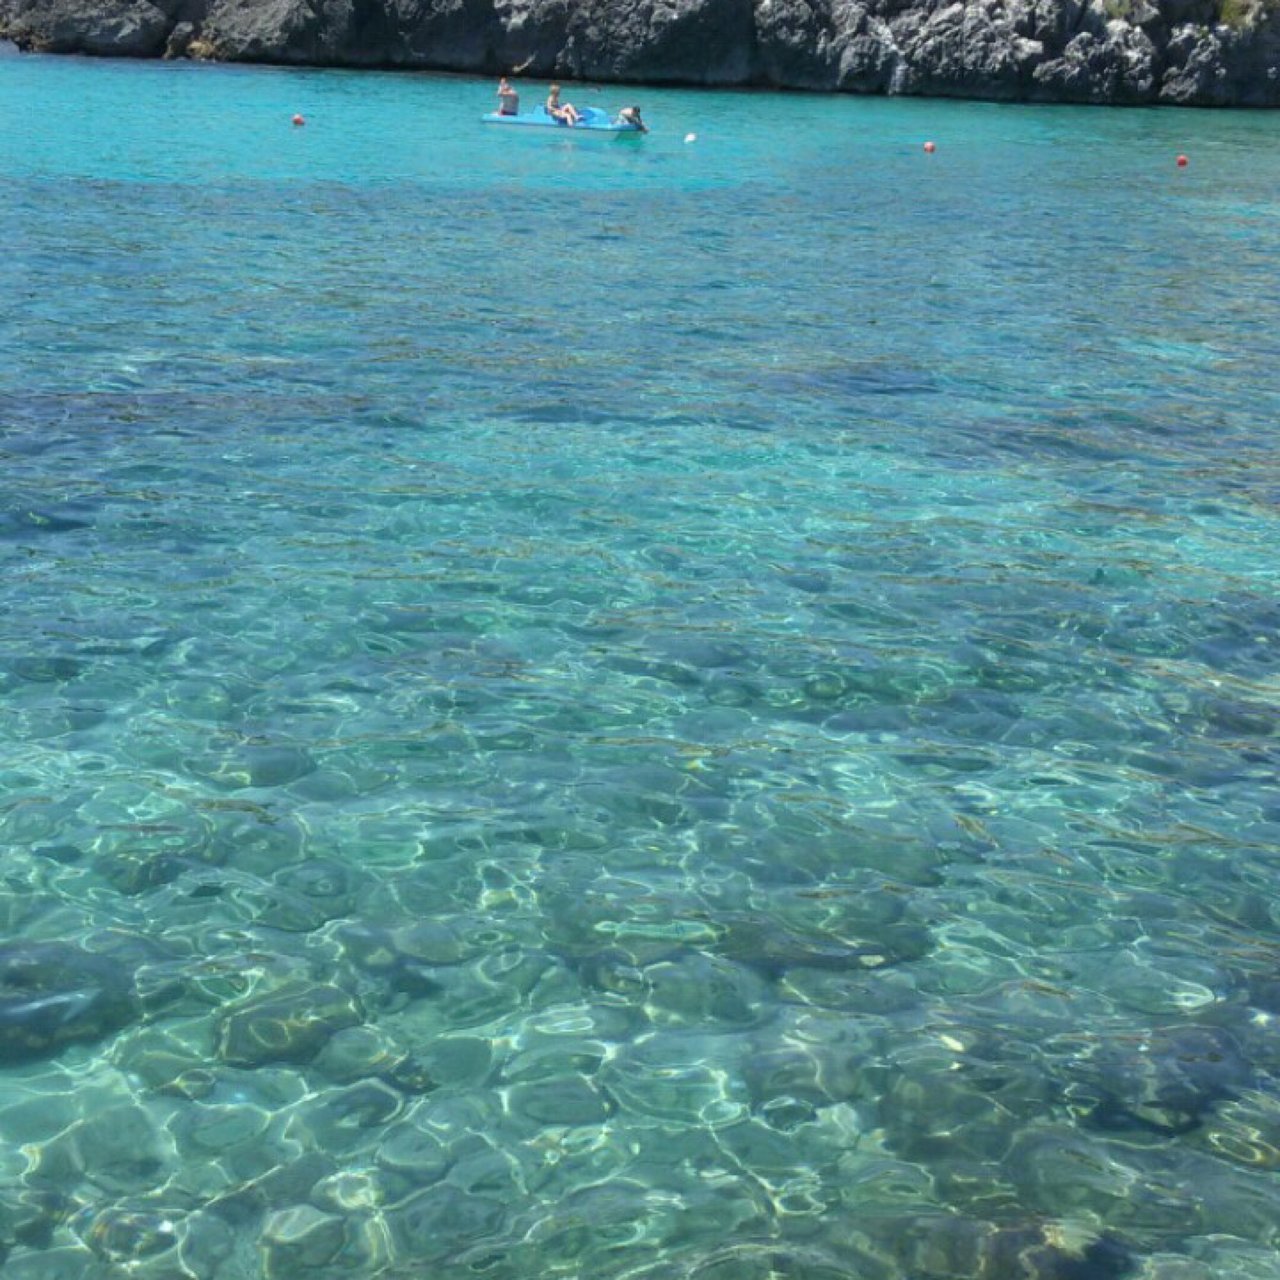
{"points": [[291, 1024], [29, 1215], [1188, 52], [1164, 1082], [771, 949], [439, 1221], [339, 1120], [123, 1233], [53, 994], [284, 1182], [943, 1245], [299, 1238], [118, 1149], [366, 1053]]}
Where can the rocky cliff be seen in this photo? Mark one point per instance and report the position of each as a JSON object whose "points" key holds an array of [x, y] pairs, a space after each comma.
{"points": [[1191, 52]]}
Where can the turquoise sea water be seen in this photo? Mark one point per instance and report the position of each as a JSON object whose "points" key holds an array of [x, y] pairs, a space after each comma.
{"points": [[579, 707]]}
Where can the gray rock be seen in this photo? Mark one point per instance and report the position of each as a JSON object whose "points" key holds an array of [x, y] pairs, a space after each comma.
{"points": [[439, 1221], [300, 1238], [410, 1150], [70, 1263], [53, 994], [285, 1182], [121, 1233], [118, 1149], [291, 1024], [1167, 1081], [341, 1120], [1224, 66], [1189, 52], [564, 1100], [29, 1215]]}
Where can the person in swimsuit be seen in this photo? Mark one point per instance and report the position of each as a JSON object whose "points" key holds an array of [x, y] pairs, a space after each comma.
{"points": [[564, 112], [508, 99]]}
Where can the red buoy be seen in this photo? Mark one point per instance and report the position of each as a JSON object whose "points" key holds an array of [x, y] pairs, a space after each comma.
{"points": [[930, 148], [1182, 162], [299, 120]]}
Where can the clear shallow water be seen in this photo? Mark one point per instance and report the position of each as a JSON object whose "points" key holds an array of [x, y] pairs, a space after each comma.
{"points": [[612, 708]]}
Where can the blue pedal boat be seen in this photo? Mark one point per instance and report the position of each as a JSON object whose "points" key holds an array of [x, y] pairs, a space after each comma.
{"points": [[594, 120]]}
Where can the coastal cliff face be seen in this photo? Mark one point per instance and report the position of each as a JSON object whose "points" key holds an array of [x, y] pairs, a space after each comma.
{"points": [[1189, 52]]}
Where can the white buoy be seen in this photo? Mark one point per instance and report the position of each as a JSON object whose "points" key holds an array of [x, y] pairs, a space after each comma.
{"points": [[691, 137]]}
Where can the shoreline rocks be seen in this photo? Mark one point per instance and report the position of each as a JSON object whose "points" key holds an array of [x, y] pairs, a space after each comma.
{"points": [[1132, 52]]}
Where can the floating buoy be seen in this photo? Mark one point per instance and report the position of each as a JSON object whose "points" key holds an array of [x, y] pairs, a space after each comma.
{"points": [[1182, 162], [299, 120], [930, 148], [691, 137]]}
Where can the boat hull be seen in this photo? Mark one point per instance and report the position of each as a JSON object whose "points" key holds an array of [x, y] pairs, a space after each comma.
{"points": [[594, 120]]}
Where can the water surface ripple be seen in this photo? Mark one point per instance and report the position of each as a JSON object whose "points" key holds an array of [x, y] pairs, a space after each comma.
{"points": [[626, 709]]}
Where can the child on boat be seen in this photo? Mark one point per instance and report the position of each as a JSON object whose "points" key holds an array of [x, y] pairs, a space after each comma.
{"points": [[565, 112]]}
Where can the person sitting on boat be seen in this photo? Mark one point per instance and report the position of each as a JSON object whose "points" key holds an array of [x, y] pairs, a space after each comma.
{"points": [[564, 112], [631, 116], [508, 99]]}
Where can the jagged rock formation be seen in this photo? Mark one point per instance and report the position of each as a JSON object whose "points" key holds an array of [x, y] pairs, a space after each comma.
{"points": [[1190, 52]]}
